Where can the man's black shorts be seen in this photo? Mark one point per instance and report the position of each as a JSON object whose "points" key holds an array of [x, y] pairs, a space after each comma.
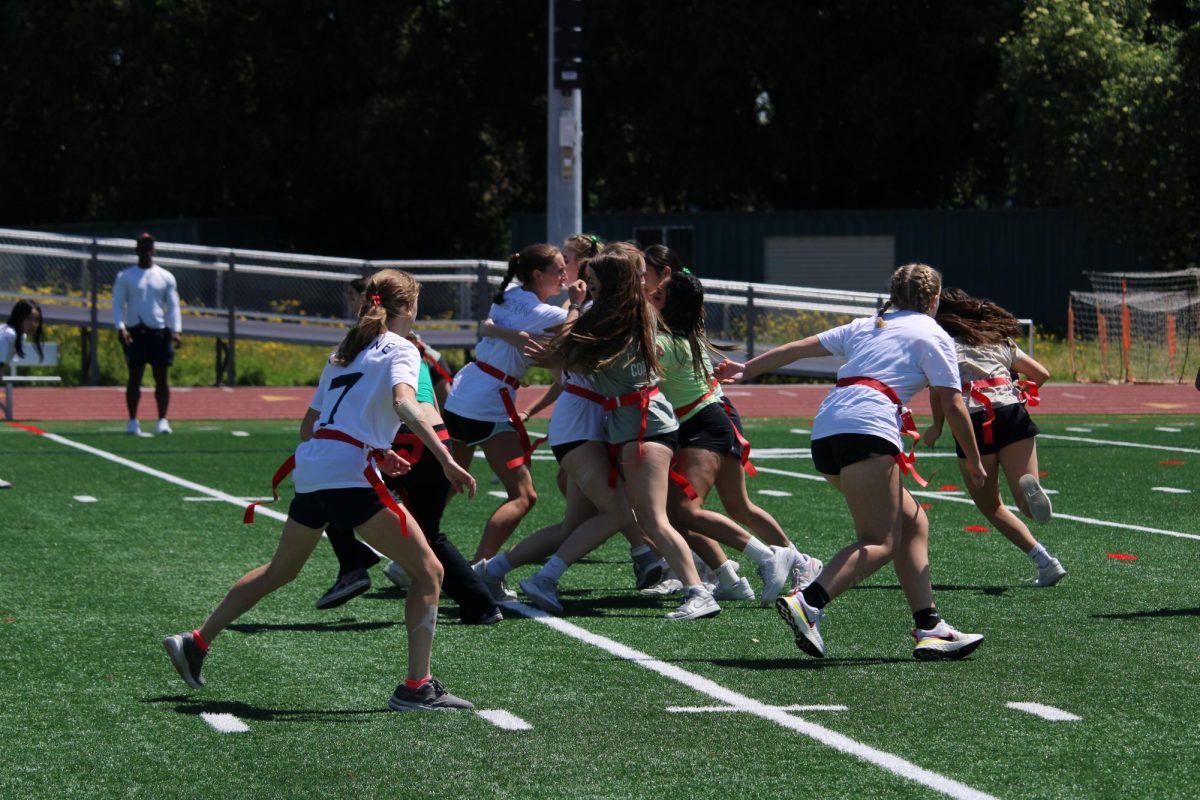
{"points": [[150, 346]]}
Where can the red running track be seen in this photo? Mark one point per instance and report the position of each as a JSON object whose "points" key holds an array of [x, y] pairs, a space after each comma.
{"points": [[51, 404]]}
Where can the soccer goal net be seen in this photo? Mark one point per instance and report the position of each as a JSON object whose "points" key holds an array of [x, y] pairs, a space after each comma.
{"points": [[1136, 326]]}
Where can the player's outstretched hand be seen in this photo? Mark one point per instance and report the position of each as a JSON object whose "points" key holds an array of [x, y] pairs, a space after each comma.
{"points": [[729, 371], [459, 478]]}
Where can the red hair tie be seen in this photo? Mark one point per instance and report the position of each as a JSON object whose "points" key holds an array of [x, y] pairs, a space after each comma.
{"points": [[376, 300]]}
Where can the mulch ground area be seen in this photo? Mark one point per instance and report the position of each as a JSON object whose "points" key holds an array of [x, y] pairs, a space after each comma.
{"points": [[48, 404]]}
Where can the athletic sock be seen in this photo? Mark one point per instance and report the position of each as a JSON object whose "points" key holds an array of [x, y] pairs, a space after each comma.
{"points": [[1040, 556], [554, 568], [756, 551], [926, 619], [642, 555], [498, 567], [411, 684], [816, 596], [727, 573], [640, 550]]}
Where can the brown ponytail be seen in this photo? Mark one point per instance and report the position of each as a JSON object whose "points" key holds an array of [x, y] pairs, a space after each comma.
{"points": [[521, 266]]}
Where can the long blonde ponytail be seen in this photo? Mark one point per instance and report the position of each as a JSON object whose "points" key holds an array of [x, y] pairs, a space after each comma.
{"points": [[388, 293]]}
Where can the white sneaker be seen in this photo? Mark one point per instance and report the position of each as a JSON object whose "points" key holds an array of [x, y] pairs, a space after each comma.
{"points": [[543, 592], [804, 620], [805, 571], [396, 574], [1036, 499], [162, 427], [944, 642], [741, 590], [664, 588], [775, 572], [134, 429], [1050, 574], [698, 603], [497, 588]]}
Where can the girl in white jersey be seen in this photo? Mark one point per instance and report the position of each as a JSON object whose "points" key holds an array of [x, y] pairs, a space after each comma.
{"points": [[481, 407], [987, 358], [857, 447], [366, 390]]}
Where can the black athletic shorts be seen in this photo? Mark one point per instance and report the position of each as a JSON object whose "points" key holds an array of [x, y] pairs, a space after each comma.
{"points": [[472, 431], [709, 429], [831, 453], [150, 346], [560, 450], [1012, 424], [346, 508]]}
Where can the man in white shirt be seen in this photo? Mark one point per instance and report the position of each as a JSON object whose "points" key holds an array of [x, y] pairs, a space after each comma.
{"points": [[146, 315]]}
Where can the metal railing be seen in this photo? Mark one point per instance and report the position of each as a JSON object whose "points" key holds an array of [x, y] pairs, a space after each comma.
{"points": [[233, 294]]}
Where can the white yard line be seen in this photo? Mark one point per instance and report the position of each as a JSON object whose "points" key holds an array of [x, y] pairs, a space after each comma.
{"points": [[884, 760], [225, 723], [1165, 447], [706, 709], [84, 498], [950, 498], [1045, 712], [503, 719]]}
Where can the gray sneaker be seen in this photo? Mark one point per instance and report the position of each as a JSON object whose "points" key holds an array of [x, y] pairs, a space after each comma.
{"points": [[346, 588], [1049, 575], [543, 592], [664, 588], [187, 658], [496, 587], [776, 572], [741, 590], [1036, 499], [697, 603], [647, 573], [432, 696]]}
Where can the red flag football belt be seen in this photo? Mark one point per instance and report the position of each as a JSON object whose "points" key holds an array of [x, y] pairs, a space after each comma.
{"points": [[416, 448], [369, 473], [640, 397], [1027, 392], [682, 411], [907, 461], [747, 467], [510, 408]]}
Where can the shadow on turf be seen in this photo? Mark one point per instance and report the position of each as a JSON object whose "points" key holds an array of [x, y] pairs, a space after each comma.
{"points": [[990, 591], [794, 663], [1158, 612], [333, 626], [194, 708]]}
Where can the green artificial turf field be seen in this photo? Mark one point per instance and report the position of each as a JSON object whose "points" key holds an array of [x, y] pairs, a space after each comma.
{"points": [[91, 706]]}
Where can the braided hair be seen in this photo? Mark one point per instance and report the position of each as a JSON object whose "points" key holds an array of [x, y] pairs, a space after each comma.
{"points": [[914, 286]]}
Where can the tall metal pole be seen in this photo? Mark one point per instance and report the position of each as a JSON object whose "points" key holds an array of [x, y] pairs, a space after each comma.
{"points": [[564, 129]]}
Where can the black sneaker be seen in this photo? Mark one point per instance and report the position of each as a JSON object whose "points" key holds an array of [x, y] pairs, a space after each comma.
{"points": [[486, 618], [432, 696], [187, 658], [347, 587]]}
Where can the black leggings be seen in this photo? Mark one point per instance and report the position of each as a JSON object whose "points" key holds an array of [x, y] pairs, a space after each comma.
{"points": [[424, 491]]}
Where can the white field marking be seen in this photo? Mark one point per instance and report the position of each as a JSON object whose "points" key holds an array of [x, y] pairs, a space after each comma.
{"points": [[1165, 429], [1167, 489], [239, 433], [704, 709], [837, 741], [166, 476], [1045, 712], [502, 719], [498, 494], [788, 394], [1167, 448], [1074, 396], [1049, 491], [801, 431], [1080, 430], [85, 498], [225, 723], [892, 763], [245, 500], [774, 493], [950, 498]]}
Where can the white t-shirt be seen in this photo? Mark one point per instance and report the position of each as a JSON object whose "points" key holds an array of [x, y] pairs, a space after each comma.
{"points": [[909, 353], [357, 400], [8, 344], [147, 296], [576, 419], [475, 394]]}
